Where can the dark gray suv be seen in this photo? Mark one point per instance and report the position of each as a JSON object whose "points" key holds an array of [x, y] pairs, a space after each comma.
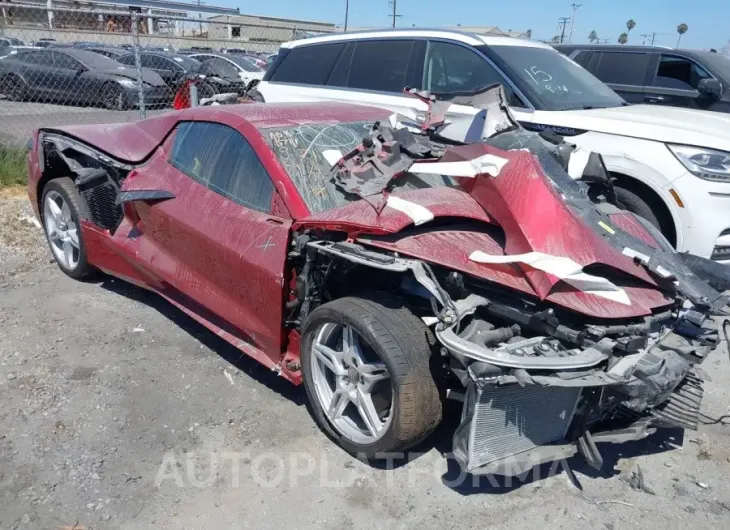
{"points": [[656, 75]]}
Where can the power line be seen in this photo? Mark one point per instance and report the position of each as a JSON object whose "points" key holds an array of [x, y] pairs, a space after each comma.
{"points": [[562, 22], [647, 35], [572, 22]]}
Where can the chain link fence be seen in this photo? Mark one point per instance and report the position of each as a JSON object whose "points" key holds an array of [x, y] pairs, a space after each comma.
{"points": [[61, 66]]}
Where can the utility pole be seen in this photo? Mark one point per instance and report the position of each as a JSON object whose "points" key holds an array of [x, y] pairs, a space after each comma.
{"points": [[562, 22], [200, 22], [347, 11], [394, 15], [572, 22], [646, 36]]}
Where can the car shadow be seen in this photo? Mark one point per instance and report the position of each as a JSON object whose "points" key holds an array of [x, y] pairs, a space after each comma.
{"points": [[224, 349]]}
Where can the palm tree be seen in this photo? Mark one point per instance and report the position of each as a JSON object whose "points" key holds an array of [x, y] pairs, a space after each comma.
{"points": [[593, 36], [681, 29], [623, 38], [529, 33], [630, 24]]}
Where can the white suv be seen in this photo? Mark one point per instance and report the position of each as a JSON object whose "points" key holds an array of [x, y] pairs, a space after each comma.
{"points": [[672, 165]]}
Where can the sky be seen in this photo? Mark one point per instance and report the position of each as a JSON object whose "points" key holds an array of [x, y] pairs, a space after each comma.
{"points": [[708, 20]]}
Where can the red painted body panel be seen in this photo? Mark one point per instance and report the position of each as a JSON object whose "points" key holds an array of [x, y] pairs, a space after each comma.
{"points": [[629, 224], [451, 249], [130, 142], [362, 216]]}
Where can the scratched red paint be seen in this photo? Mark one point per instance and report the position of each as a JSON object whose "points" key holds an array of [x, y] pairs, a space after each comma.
{"points": [[226, 265]]}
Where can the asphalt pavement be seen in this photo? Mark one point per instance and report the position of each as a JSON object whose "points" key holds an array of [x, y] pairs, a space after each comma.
{"points": [[19, 119]]}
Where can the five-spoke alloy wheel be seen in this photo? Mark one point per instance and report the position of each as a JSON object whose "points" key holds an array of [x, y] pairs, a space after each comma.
{"points": [[370, 370], [61, 208]]}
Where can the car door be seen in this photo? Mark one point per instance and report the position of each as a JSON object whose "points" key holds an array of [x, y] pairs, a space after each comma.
{"points": [[626, 73], [69, 82], [216, 247], [38, 71], [674, 82]]}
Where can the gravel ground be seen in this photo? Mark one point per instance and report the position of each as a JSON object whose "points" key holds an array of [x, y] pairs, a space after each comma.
{"points": [[115, 407]]}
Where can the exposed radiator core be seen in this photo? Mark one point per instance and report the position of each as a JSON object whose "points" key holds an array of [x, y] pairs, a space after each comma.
{"points": [[501, 421]]}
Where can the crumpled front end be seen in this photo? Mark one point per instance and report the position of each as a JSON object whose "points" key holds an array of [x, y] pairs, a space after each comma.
{"points": [[563, 320], [534, 399]]}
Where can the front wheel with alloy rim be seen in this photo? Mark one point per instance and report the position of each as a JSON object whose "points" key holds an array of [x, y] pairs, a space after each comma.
{"points": [[113, 97], [61, 209], [368, 368]]}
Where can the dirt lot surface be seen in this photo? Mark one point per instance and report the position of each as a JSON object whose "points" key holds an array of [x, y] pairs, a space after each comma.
{"points": [[115, 407]]}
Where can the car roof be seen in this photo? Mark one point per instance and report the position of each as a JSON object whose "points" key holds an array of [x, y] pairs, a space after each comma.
{"points": [[268, 115], [617, 47], [461, 36]]}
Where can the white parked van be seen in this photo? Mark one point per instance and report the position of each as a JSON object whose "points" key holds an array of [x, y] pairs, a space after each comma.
{"points": [[672, 165]]}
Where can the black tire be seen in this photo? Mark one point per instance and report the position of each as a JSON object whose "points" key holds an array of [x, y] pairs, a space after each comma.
{"points": [[66, 188], [407, 348], [636, 205], [14, 88], [113, 97], [205, 90]]}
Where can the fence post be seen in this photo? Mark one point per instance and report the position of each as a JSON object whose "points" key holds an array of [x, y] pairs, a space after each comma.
{"points": [[138, 65]]}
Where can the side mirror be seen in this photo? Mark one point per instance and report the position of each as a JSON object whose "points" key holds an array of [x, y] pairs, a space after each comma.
{"points": [[710, 87]]}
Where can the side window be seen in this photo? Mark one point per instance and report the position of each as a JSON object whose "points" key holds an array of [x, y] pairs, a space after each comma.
{"points": [[221, 159], [308, 65], [147, 61], [454, 68], [380, 65], [677, 72], [64, 61], [127, 59], [39, 58], [341, 70], [582, 58], [623, 68]]}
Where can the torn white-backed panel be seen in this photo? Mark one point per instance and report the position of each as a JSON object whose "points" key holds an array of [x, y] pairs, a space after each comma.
{"points": [[578, 162], [410, 122], [564, 268], [643, 258], [489, 164], [419, 214], [430, 321], [332, 156]]}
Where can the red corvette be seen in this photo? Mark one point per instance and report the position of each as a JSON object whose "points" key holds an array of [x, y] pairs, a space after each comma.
{"points": [[387, 270]]}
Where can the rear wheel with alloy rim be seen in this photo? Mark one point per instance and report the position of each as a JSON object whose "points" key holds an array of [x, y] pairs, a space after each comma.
{"points": [[61, 209], [368, 368]]}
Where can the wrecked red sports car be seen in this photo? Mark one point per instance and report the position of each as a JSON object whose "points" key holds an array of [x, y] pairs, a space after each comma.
{"points": [[387, 270]]}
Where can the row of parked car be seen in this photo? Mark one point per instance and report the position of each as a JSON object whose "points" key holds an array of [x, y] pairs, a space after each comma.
{"points": [[91, 74]]}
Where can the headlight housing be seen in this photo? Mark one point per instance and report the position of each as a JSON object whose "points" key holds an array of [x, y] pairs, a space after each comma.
{"points": [[708, 164], [131, 83]]}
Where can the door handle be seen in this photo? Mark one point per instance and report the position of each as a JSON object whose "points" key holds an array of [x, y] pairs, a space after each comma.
{"points": [[654, 99], [274, 221]]}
